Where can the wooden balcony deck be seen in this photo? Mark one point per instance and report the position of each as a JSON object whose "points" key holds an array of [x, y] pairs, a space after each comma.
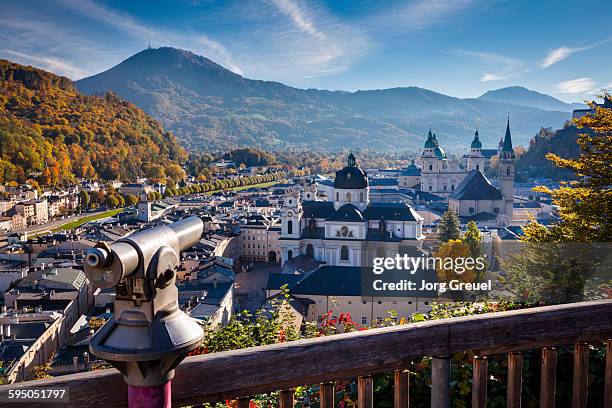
{"points": [[240, 373]]}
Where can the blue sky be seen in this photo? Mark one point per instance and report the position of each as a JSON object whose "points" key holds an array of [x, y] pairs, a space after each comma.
{"points": [[458, 47]]}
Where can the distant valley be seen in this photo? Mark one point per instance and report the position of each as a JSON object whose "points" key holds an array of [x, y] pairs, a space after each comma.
{"points": [[208, 106]]}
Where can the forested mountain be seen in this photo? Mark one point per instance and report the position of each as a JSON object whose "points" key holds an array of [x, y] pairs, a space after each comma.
{"points": [[517, 95], [206, 105], [562, 142], [51, 133]]}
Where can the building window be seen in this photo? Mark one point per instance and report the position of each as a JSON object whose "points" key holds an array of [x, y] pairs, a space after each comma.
{"points": [[344, 253], [430, 167], [452, 187], [471, 210], [364, 320], [337, 196], [348, 197], [507, 171], [310, 250], [289, 227], [344, 231], [290, 254], [445, 187], [478, 167], [360, 196], [430, 188], [496, 210]]}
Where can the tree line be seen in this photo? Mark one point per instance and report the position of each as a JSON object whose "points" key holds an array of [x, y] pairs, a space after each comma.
{"points": [[111, 198]]}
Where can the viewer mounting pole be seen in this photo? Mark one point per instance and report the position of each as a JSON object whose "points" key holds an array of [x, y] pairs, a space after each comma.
{"points": [[148, 335]]}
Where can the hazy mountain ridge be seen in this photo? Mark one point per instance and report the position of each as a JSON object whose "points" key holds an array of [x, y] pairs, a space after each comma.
{"points": [[517, 95], [206, 105]]}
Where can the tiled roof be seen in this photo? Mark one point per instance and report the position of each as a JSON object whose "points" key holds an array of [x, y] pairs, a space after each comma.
{"points": [[276, 280], [317, 209], [475, 186], [411, 170], [383, 182], [348, 213], [391, 211], [331, 280]]}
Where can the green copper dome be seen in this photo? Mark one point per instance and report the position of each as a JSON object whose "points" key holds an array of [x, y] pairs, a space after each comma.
{"points": [[476, 142], [439, 152], [429, 144]]}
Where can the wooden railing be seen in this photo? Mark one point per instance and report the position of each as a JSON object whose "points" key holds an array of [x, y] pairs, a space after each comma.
{"points": [[240, 373]]}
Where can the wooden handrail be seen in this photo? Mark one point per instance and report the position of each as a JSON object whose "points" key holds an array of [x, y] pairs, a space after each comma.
{"points": [[244, 372]]}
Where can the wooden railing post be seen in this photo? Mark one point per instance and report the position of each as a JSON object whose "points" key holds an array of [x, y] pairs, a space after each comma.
{"points": [[365, 392], [608, 381], [244, 402], [580, 393], [285, 399], [327, 395], [401, 389], [479, 382], [515, 379], [548, 377], [440, 381]]}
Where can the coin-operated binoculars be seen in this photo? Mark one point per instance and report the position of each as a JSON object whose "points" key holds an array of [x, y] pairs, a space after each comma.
{"points": [[148, 335]]}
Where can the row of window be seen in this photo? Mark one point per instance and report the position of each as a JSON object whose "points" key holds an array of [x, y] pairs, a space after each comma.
{"points": [[444, 188], [258, 246], [344, 252]]}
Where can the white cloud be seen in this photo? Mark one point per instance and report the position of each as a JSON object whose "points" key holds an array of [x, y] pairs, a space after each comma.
{"points": [[298, 41], [299, 17], [222, 51], [209, 47], [506, 67], [577, 86], [561, 53], [418, 14], [486, 77], [124, 22], [55, 65]]}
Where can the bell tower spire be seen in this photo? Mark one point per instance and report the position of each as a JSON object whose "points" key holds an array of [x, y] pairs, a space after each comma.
{"points": [[506, 173]]}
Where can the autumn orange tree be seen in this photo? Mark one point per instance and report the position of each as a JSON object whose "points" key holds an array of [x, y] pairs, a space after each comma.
{"points": [[565, 262], [54, 134]]}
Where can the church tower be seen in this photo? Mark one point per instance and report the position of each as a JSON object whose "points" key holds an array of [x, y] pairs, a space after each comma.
{"points": [[506, 173], [310, 192], [475, 160], [291, 215]]}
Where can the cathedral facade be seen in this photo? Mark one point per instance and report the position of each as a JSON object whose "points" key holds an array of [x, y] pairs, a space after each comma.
{"points": [[349, 230], [475, 198]]}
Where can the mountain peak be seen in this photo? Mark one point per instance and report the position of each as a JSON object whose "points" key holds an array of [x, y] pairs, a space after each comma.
{"points": [[208, 105], [171, 58], [518, 95]]}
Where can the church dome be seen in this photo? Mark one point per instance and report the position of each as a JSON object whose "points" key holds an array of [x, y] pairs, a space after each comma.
{"points": [[439, 152], [351, 177]]}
